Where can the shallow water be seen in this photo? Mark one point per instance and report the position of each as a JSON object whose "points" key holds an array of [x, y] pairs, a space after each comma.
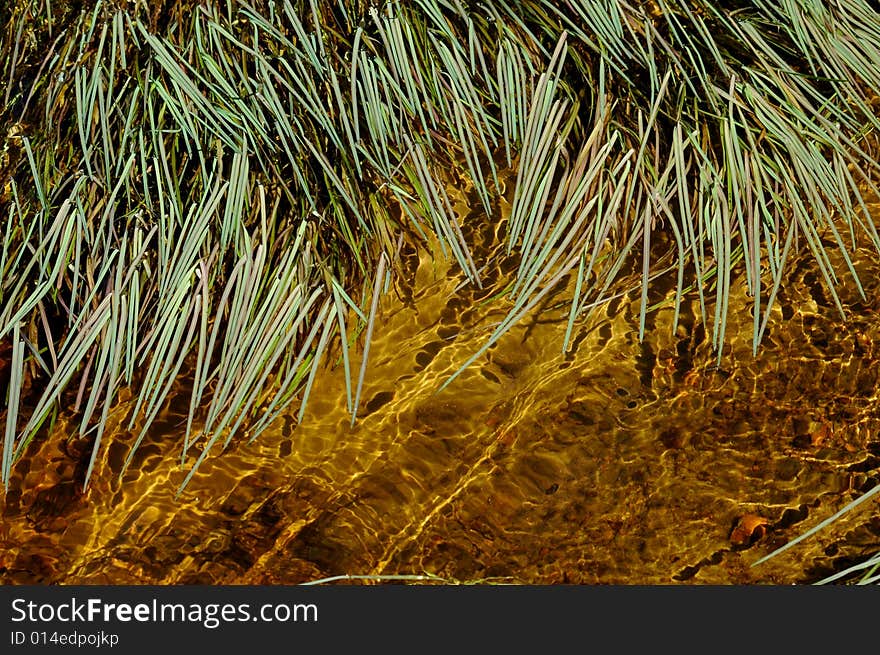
{"points": [[626, 462]]}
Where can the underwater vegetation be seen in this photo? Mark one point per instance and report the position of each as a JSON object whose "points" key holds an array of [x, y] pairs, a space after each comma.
{"points": [[219, 190]]}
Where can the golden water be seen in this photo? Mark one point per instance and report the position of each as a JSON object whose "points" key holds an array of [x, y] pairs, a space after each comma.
{"points": [[626, 463]]}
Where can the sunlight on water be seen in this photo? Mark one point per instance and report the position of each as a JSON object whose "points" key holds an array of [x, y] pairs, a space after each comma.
{"points": [[618, 463]]}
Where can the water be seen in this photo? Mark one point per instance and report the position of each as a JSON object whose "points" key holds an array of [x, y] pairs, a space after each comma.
{"points": [[628, 462]]}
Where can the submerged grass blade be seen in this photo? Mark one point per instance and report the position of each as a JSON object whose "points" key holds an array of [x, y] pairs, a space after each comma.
{"points": [[371, 321]]}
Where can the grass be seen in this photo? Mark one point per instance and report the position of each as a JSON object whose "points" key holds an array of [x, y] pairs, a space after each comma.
{"points": [[207, 188]]}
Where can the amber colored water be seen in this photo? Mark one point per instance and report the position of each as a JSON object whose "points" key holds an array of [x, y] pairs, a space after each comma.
{"points": [[624, 462]]}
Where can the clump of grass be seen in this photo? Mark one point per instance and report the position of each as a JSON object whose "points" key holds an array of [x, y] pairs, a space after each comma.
{"points": [[216, 195], [208, 189]]}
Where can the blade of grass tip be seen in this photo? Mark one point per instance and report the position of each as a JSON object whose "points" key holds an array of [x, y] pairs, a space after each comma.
{"points": [[282, 330], [557, 245], [43, 287], [646, 262], [871, 578], [170, 376], [776, 281], [244, 302], [317, 357], [871, 563], [116, 333], [289, 382], [575, 300], [575, 204], [809, 533], [859, 196], [161, 348], [201, 367], [12, 406], [726, 264], [259, 334], [376, 578], [620, 172], [514, 316], [374, 306], [337, 289], [659, 195], [287, 388], [203, 376], [267, 339], [679, 284], [343, 341], [817, 202], [803, 218], [133, 323], [105, 350], [73, 354], [533, 188], [685, 205], [436, 203], [37, 356]]}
